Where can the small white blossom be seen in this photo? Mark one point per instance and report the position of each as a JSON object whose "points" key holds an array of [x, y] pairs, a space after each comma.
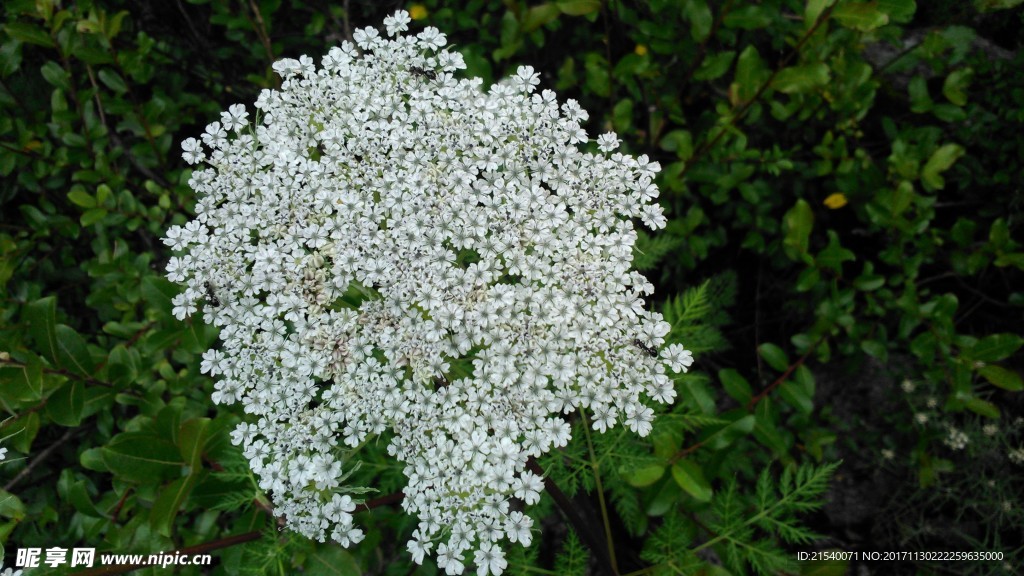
{"points": [[607, 142], [956, 439], [393, 250]]}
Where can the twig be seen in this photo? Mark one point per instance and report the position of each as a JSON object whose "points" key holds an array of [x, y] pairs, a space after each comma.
{"points": [[203, 548], [789, 370], [745, 106], [578, 523], [39, 459]]}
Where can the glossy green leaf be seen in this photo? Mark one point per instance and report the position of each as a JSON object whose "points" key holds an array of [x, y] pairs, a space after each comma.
{"points": [[72, 351], [79, 497], [954, 88], [731, 432], [995, 347], [1001, 377], [800, 79], [689, 476], [22, 382], [42, 325], [982, 407], [697, 13], [862, 16], [645, 476], [11, 506], [29, 33], [796, 396], [331, 561], [750, 17], [751, 72], [735, 385], [833, 255], [797, 224], [66, 404], [540, 15], [56, 75], [92, 216], [113, 80], [191, 441], [169, 502], [774, 356], [813, 10], [579, 7], [940, 161], [899, 11], [141, 457]]}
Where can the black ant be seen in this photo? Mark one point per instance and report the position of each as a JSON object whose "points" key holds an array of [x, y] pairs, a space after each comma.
{"points": [[211, 296], [651, 351], [424, 73]]}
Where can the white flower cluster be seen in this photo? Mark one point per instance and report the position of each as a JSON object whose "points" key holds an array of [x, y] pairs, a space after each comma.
{"points": [[390, 250]]}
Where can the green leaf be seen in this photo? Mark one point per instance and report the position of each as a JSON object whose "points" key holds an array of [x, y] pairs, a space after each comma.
{"points": [[774, 356], [22, 383], [330, 560], [995, 347], [726, 435], [41, 317], [90, 217], [800, 79], [797, 396], [715, 65], [833, 255], [747, 18], [955, 85], [920, 100], [141, 457], [940, 161], [899, 11], [690, 478], [579, 7], [158, 292], [79, 497], [813, 10], [797, 224], [11, 506], [113, 80], [29, 33], [645, 476], [66, 404], [72, 352], [191, 441], [875, 349], [862, 16], [982, 407], [168, 503], [79, 197], [869, 282], [540, 15], [750, 74], [699, 16], [56, 76], [1003, 378], [735, 385]]}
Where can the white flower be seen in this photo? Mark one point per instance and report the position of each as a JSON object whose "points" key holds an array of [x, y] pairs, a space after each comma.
{"points": [[394, 250], [607, 142], [3, 453], [235, 118], [399, 22], [192, 151]]}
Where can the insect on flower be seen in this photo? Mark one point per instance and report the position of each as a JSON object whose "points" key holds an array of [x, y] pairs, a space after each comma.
{"points": [[650, 350], [211, 295]]}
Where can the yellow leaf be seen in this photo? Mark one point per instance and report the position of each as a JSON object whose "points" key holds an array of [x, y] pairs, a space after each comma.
{"points": [[640, 50], [836, 200], [418, 12]]}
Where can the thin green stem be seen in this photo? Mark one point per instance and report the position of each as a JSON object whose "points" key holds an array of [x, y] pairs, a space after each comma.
{"points": [[596, 466]]}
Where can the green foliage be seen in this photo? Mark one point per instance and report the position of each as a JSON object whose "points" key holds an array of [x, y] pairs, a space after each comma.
{"points": [[843, 174]]}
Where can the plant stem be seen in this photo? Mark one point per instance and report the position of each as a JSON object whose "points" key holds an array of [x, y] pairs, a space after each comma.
{"points": [[579, 525], [596, 466]]}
